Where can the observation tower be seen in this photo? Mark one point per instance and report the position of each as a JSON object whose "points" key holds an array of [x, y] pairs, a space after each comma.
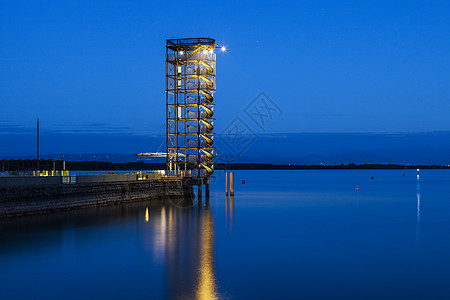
{"points": [[190, 88]]}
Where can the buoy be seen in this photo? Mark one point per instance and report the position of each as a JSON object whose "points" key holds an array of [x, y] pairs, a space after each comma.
{"points": [[243, 181], [357, 189], [371, 177]]}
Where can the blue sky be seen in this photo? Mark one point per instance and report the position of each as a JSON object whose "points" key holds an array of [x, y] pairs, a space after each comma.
{"points": [[331, 66]]}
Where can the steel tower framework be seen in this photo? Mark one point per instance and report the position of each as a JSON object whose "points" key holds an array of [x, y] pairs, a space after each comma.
{"points": [[190, 88]]}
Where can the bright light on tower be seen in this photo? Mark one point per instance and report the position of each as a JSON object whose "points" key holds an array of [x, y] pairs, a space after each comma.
{"points": [[223, 49], [181, 52]]}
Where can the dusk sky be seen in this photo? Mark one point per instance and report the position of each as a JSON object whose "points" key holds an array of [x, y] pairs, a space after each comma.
{"points": [[330, 66]]}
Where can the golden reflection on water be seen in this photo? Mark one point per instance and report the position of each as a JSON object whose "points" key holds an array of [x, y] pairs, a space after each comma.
{"points": [[206, 282], [159, 241], [170, 220], [184, 241], [229, 211]]}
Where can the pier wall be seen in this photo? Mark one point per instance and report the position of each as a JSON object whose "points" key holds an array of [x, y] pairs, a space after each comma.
{"points": [[8, 181], [52, 195]]}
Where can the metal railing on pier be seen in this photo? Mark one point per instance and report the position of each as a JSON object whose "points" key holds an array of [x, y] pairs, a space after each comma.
{"points": [[47, 173], [75, 177]]}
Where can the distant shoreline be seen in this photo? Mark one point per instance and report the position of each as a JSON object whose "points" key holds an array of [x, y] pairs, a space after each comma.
{"points": [[12, 165], [85, 166]]}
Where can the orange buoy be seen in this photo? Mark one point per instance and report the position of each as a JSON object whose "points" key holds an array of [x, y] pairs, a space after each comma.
{"points": [[357, 189], [243, 181]]}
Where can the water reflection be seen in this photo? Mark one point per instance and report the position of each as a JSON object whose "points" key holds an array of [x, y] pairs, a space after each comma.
{"points": [[418, 200], [180, 237], [229, 211], [190, 252], [206, 281], [418, 209]]}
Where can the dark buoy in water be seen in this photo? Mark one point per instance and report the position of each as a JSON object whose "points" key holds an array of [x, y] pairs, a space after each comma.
{"points": [[371, 177], [243, 181]]}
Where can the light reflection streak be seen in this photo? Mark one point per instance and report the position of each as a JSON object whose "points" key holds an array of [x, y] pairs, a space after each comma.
{"points": [[189, 251], [229, 211], [418, 209], [226, 210], [206, 282], [160, 235], [418, 203]]}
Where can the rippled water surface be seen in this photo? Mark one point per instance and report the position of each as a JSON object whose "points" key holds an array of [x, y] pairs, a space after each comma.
{"points": [[284, 235]]}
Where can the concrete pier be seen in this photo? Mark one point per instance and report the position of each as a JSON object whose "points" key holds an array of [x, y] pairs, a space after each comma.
{"points": [[28, 195]]}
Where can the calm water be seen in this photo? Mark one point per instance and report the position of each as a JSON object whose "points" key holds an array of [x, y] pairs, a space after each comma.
{"points": [[285, 235]]}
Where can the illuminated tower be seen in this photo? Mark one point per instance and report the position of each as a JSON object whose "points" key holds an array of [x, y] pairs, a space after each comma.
{"points": [[190, 88]]}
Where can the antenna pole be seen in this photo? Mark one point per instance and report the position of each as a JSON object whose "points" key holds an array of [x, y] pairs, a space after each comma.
{"points": [[37, 153]]}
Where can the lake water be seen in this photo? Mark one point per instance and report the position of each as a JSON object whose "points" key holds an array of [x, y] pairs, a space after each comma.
{"points": [[284, 235]]}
